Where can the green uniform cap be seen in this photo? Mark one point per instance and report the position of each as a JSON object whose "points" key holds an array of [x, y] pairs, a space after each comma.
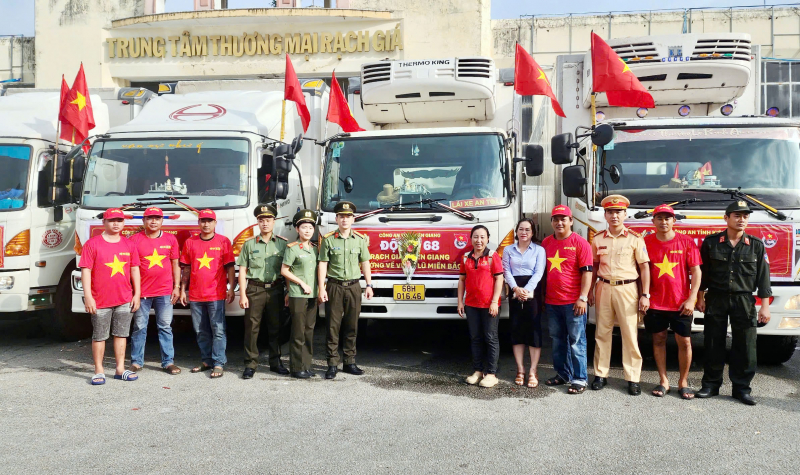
{"points": [[265, 210], [304, 216], [344, 207]]}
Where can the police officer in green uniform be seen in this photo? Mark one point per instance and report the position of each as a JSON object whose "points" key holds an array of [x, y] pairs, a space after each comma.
{"points": [[261, 289], [343, 256], [300, 270], [734, 267]]}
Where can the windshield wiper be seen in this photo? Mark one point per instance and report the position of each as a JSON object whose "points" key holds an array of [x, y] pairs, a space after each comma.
{"points": [[402, 207], [736, 193], [649, 212], [460, 214]]}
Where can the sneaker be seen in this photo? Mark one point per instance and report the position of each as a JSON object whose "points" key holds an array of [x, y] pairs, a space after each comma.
{"points": [[474, 378], [489, 381]]}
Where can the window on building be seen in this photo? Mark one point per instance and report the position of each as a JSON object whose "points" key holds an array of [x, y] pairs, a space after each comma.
{"points": [[780, 87]]}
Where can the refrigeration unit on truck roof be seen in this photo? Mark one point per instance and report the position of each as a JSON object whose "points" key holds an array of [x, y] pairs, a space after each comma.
{"points": [[34, 114], [431, 90]]}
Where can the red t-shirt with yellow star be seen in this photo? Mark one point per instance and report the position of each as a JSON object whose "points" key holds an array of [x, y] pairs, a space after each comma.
{"points": [[156, 256], [110, 263], [669, 270], [565, 258], [208, 280]]}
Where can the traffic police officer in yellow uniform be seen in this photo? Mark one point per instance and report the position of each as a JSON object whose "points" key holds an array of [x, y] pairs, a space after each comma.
{"points": [[261, 290], [343, 256], [617, 252]]}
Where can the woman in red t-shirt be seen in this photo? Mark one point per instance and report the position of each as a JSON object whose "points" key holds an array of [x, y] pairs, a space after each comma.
{"points": [[482, 280]]}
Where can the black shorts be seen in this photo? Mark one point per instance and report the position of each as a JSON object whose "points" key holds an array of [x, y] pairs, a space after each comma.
{"points": [[657, 321]]}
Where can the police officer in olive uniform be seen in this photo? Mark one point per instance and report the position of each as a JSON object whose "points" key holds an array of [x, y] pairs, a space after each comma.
{"points": [[343, 256], [300, 270], [734, 267], [261, 289]]}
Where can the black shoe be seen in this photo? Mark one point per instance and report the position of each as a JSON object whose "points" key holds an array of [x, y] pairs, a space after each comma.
{"points": [[311, 374], [746, 399], [352, 369], [599, 383], [331, 373], [706, 391], [248, 373], [279, 369], [634, 389], [301, 374]]}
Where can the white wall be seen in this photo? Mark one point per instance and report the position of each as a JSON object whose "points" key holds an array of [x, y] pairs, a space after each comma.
{"points": [[20, 50]]}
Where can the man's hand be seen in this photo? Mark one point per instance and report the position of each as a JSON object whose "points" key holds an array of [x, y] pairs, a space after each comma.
{"points": [[286, 299], [176, 295], [494, 309], [701, 303], [244, 302], [644, 304], [231, 295], [461, 309], [323, 296], [579, 308], [135, 303], [184, 298], [368, 293], [90, 304], [764, 315], [591, 297], [687, 307], [306, 288]]}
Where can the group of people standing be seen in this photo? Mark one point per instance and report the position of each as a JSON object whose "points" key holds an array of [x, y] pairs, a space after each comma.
{"points": [[659, 279]]}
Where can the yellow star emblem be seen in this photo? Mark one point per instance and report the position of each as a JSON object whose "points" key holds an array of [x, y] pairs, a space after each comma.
{"points": [[555, 262], [542, 76], [666, 267], [155, 259], [626, 68], [205, 261], [117, 267], [80, 100]]}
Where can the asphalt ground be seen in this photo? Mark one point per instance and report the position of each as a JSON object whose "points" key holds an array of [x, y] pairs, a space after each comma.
{"points": [[410, 413]]}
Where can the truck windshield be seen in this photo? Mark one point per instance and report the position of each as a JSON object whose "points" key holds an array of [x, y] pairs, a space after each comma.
{"points": [[461, 171], [14, 162], [211, 173], [657, 165]]}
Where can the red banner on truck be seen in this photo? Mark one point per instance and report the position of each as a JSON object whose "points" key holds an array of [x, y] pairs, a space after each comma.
{"points": [[777, 239], [439, 250]]}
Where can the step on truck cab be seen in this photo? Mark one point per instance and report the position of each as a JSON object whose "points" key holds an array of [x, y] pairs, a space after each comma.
{"points": [[708, 141]]}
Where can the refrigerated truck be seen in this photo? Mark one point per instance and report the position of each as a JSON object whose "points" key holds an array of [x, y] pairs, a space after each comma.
{"points": [[708, 141]]}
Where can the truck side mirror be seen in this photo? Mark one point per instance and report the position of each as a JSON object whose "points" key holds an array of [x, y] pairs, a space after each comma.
{"points": [[602, 135], [281, 166], [561, 149], [297, 144], [348, 184], [534, 160], [615, 174], [62, 195], [574, 181]]}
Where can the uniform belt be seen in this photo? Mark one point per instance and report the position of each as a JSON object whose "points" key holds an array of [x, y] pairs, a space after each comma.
{"points": [[276, 283], [618, 282], [343, 283]]}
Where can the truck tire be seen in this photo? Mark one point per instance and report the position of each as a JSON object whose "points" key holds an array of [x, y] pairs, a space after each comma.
{"points": [[775, 349], [61, 322]]}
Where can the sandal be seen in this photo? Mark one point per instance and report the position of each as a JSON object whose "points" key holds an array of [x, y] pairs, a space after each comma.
{"points": [[660, 389], [555, 381], [686, 393], [126, 375], [98, 379], [576, 389], [172, 369], [201, 368], [217, 373], [533, 382], [520, 379]]}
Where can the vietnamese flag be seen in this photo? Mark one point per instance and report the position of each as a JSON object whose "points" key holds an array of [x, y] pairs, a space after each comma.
{"points": [[77, 109], [530, 80], [66, 127], [339, 111], [704, 170], [610, 74], [293, 92]]}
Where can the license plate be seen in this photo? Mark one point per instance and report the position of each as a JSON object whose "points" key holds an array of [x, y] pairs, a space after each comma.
{"points": [[413, 292]]}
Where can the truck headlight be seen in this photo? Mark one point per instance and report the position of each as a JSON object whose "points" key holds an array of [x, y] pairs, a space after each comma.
{"points": [[77, 284], [6, 282], [793, 303], [789, 322]]}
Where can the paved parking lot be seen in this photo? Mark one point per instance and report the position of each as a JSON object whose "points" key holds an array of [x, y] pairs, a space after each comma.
{"points": [[409, 413]]}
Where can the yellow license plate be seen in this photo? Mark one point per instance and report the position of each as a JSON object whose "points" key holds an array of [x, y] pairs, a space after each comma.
{"points": [[412, 292]]}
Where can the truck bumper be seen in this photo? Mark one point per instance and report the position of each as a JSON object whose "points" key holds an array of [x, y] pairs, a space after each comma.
{"points": [[16, 294]]}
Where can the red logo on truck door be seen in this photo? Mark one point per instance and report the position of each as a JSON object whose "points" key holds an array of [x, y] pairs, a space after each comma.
{"points": [[198, 112]]}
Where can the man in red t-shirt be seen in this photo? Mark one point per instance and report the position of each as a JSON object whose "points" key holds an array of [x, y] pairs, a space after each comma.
{"points": [[673, 256], [161, 276], [207, 272], [569, 278], [109, 265]]}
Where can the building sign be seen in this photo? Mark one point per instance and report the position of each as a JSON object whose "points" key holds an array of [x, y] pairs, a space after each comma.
{"points": [[255, 44]]}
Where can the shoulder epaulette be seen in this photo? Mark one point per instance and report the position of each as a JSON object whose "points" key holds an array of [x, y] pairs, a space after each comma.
{"points": [[329, 234], [292, 244], [754, 238], [250, 239], [281, 237], [359, 234], [313, 244], [634, 233]]}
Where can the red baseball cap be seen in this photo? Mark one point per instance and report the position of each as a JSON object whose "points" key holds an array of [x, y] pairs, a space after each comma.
{"points": [[664, 209], [153, 212], [113, 213], [561, 210], [207, 214]]}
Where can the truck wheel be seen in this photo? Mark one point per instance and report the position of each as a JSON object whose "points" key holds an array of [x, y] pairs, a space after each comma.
{"points": [[61, 322], [775, 349]]}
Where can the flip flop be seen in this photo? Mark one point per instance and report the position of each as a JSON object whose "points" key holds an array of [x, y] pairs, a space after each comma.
{"points": [[686, 393], [126, 375], [664, 391], [218, 372], [98, 379]]}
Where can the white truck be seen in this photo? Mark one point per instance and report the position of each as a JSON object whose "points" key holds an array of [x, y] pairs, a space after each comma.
{"points": [[707, 142], [440, 158], [211, 144]]}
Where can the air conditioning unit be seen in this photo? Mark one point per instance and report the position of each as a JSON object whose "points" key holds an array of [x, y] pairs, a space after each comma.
{"points": [[434, 90], [683, 69]]}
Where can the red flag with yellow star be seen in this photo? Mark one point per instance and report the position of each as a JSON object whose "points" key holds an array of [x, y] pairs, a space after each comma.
{"points": [[610, 74], [76, 110], [66, 127], [530, 80]]}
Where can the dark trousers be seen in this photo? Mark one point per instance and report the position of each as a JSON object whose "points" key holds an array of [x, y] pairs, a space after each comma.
{"points": [[304, 316], [263, 303], [525, 319], [484, 338], [342, 310], [744, 320]]}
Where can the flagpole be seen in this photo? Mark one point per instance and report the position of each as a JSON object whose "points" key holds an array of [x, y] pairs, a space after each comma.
{"points": [[55, 155], [283, 119]]}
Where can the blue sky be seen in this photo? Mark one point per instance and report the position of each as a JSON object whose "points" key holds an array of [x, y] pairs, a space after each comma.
{"points": [[16, 16]]}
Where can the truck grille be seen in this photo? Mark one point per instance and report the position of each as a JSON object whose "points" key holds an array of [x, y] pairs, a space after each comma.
{"points": [[710, 49], [637, 52], [474, 68]]}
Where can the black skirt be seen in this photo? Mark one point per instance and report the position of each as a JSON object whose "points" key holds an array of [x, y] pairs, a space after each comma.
{"points": [[526, 322]]}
